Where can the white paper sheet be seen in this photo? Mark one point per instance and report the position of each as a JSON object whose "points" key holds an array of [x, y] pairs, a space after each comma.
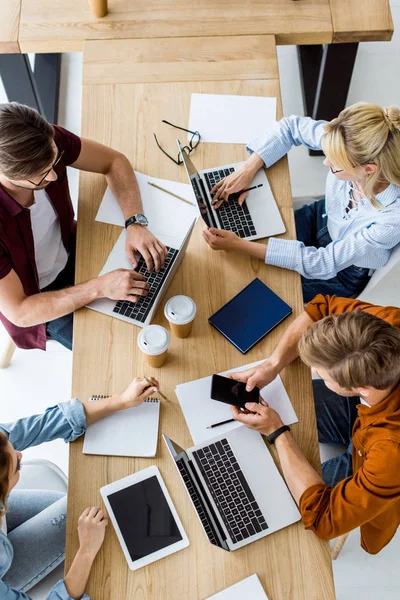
{"points": [[158, 206], [131, 432], [200, 410], [230, 119], [247, 589]]}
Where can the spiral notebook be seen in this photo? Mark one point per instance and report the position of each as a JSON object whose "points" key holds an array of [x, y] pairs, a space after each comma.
{"points": [[130, 432]]}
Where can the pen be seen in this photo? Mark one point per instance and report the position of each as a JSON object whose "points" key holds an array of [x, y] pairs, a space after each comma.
{"points": [[236, 194], [220, 423], [170, 193], [159, 391]]}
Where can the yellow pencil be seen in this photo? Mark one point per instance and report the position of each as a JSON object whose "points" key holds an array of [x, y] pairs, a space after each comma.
{"points": [[170, 193]]}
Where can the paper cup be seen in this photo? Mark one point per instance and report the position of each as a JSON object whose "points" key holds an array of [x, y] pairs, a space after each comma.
{"points": [[180, 312], [153, 341]]}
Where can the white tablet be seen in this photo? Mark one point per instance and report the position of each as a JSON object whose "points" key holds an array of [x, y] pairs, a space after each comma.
{"points": [[144, 518]]}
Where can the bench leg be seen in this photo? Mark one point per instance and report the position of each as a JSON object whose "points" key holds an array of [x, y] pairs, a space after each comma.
{"points": [[99, 8], [338, 546], [6, 353], [324, 83]]}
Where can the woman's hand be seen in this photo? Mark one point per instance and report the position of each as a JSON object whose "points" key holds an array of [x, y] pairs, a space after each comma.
{"points": [[233, 184], [91, 530], [237, 181], [138, 391], [220, 239]]}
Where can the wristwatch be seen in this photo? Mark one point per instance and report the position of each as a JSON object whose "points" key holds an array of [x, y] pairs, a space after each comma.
{"points": [[272, 436], [139, 219]]}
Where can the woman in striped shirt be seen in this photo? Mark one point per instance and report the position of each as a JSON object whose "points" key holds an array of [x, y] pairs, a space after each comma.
{"points": [[342, 238]]}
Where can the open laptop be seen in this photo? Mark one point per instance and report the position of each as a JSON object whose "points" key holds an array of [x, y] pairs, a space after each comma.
{"points": [[258, 217], [141, 312], [235, 487]]}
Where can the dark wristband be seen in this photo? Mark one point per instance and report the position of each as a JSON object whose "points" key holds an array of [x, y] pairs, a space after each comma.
{"points": [[272, 436]]}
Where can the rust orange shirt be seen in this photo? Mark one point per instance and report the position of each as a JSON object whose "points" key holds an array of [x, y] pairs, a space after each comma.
{"points": [[370, 499]]}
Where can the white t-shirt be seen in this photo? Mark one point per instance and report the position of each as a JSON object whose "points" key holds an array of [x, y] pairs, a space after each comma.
{"points": [[3, 527], [50, 253], [365, 403]]}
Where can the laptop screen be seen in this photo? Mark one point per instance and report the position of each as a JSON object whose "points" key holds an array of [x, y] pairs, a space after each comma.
{"points": [[198, 189]]}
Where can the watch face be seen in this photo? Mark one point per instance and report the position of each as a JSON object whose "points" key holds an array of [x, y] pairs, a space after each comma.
{"points": [[142, 220]]}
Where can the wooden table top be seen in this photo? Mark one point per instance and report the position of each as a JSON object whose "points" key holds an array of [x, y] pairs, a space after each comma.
{"points": [[63, 26], [106, 357]]}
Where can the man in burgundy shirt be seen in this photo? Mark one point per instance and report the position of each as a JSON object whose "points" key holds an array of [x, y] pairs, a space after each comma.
{"points": [[37, 228]]}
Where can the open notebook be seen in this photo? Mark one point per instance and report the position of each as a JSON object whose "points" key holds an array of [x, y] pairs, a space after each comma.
{"points": [[131, 432]]}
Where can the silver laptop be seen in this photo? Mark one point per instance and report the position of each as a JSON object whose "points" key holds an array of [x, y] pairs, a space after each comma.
{"points": [[235, 487], [141, 312], [258, 217]]}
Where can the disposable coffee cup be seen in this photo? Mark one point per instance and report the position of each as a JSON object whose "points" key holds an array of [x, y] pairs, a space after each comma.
{"points": [[153, 341], [180, 312]]}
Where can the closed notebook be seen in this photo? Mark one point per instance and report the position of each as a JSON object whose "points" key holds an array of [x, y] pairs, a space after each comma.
{"points": [[250, 315], [131, 432]]}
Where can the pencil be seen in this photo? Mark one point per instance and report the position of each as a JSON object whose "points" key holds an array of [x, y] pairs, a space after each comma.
{"points": [[220, 423], [170, 193], [159, 391]]}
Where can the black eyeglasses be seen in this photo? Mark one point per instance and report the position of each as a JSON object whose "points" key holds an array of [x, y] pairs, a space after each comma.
{"points": [[59, 157], [193, 143]]}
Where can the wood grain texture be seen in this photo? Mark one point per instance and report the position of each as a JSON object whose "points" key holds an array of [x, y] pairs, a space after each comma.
{"points": [[56, 25], [215, 59], [368, 21], [9, 25], [106, 357]]}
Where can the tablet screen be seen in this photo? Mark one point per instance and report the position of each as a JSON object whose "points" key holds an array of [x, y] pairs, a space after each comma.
{"points": [[144, 518]]}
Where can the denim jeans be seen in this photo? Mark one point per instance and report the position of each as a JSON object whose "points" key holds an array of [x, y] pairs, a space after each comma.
{"points": [[335, 419], [36, 529], [61, 329], [312, 230]]}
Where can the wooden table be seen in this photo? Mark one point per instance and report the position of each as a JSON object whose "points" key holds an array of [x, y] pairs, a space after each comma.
{"points": [[128, 88], [60, 26]]}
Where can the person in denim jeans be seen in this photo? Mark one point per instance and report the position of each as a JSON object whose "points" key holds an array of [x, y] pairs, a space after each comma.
{"points": [[354, 347], [341, 239], [32, 522]]}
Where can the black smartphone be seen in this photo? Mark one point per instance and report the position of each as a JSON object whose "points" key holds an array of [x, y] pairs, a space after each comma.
{"points": [[231, 391]]}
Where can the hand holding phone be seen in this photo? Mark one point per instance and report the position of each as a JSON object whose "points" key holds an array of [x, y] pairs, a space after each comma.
{"points": [[232, 392]]}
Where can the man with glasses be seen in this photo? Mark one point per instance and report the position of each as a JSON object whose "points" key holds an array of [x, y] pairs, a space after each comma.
{"points": [[37, 228]]}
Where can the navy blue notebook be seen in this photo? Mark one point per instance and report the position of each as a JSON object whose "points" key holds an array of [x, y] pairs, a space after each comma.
{"points": [[250, 315]]}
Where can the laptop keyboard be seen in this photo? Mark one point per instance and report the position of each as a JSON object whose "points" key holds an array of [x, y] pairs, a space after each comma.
{"points": [[140, 309], [232, 216], [197, 502], [230, 491]]}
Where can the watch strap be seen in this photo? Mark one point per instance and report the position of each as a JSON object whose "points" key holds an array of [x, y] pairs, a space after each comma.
{"points": [[272, 436], [132, 220]]}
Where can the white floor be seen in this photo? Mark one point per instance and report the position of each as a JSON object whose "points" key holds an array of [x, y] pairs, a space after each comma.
{"points": [[36, 379]]}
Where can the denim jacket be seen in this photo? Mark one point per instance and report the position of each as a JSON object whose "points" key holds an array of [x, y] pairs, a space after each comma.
{"points": [[66, 420]]}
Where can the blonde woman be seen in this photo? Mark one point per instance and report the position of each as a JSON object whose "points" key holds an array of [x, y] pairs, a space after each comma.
{"points": [[344, 237], [32, 522]]}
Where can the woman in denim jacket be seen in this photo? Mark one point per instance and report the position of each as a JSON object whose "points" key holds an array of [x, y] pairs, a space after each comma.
{"points": [[32, 533]]}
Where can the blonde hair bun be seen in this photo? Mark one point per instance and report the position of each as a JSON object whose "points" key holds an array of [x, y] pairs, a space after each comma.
{"points": [[392, 117]]}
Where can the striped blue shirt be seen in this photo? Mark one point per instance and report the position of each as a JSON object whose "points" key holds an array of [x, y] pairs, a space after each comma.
{"points": [[364, 236]]}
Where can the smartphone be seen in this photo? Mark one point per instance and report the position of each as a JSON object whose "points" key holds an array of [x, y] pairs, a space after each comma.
{"points": [[231, 391]]}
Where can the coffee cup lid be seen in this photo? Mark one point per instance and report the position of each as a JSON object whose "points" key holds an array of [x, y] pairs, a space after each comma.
{"points": [[180, 310], [153, 340]]}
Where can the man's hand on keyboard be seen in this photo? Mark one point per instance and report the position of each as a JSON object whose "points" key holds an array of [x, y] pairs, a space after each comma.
{"points": [[261, 417], [220, 239], [234, 183], [141, 239], [122, 284]]}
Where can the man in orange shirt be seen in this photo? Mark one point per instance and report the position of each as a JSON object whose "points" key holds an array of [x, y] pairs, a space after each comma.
{"points": [[354, 347]]}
